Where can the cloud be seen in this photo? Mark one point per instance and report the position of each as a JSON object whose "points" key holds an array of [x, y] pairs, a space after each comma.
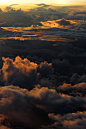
{"points": [[63, 22], [81, 13], [63, 63], [68, 121], [42, 4], [45, 69], [23, 73], [51, 101], [17, 107], [23, 108], [13, 4], [78, 89], [4, 127], [8, 8], [75, 79], [19, 72], [15, 16]]}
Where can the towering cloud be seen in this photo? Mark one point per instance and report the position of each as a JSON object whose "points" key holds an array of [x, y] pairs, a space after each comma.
{"points": [[23, 72]]}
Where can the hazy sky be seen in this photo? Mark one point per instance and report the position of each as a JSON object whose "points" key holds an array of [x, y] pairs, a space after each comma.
{"points": [[43, 1]]}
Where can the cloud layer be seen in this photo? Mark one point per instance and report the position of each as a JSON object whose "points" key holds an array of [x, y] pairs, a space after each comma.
{"points": [[43, 67], [23, 108]]}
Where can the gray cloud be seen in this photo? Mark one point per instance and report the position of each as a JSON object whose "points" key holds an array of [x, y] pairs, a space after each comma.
{"points": [[13, 4], [23, 108], [77, 89], [68, 121], [42, 4], [63, 22]]}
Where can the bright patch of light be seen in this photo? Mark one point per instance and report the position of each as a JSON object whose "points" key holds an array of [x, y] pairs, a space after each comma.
{"points": [[63, 1]]}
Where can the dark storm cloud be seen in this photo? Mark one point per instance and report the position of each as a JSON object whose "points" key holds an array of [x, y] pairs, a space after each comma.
{"points": [[0, 10], [74, 90], [63, 22], [15, 16], [74, 79], [58, 103], [23, 108], [45, 69], [79, 86], [63, 63], [78, 78], [63, 79], [3, 49], [83, 12], [16, 105], [8, 8], [18, 25], [68, 121]]}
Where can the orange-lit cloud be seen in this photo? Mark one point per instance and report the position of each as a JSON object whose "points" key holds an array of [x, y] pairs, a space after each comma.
{"points": [[24, 73], [47, 31], [70, 121]]}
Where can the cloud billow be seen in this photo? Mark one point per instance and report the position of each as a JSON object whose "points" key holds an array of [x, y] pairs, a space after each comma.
{"points": [[23, 73]]}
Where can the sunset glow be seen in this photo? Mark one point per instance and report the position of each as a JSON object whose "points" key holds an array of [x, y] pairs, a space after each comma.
{"points": [[63, 2], [59, 2], [7, 1]]}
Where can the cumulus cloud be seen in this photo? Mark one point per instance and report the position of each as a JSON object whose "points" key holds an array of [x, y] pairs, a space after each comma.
{"points": [[19, 72], [23, 73], [51, 101], [75, 79], [19, 109], [63, 63], [68, 121], [80, 13], [18, 103], [78, 89], [45, 69]]}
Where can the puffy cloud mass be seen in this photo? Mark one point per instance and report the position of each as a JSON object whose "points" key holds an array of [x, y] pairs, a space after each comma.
{"points": [[78, 89], [23, 108], [68, 121], [23, 73], [17, 107]]}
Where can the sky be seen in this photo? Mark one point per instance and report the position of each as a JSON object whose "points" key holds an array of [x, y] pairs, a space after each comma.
{"points": [[63, 2]]}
